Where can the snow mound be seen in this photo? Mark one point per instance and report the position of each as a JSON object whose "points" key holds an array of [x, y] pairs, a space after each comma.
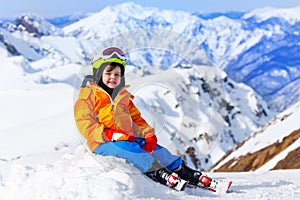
{"points": [[85, 176], [81, 176]]}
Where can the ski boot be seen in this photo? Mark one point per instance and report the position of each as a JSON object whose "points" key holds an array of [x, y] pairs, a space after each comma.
{"points": [[194, 177], [166, 177], [198, 179]]}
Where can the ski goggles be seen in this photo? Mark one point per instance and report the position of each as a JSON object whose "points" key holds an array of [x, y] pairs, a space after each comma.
{"points": [[111, 52]]}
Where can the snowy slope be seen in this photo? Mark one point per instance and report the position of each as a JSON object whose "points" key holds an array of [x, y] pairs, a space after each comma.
{"points": [[83, 176], [37, 125]]}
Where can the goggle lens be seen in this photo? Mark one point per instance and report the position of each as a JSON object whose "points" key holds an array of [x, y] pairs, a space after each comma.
{"points": [[109, 52]]}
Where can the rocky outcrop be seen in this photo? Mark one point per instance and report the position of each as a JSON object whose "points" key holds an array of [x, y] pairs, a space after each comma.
{"points": [[291, 161], [255, 160], [35, 25], [28, 25]]}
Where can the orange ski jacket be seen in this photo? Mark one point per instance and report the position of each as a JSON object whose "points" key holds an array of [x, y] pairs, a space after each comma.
{"points": [[95, 111]]}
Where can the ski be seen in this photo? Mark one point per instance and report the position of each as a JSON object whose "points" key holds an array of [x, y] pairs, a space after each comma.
{"points": [[219, 186]]}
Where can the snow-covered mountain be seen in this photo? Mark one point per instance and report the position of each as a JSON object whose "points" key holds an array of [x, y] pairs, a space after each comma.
{"points": [[259, 48]]}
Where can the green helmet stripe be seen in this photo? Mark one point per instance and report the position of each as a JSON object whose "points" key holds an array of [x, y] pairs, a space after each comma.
{"points": [[99, 62]]}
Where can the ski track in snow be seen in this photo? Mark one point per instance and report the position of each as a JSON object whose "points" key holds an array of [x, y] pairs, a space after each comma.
{"points": [[86, 176]]}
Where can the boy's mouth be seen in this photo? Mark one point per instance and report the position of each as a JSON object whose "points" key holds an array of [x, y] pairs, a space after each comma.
{"points": [[112, 82]]}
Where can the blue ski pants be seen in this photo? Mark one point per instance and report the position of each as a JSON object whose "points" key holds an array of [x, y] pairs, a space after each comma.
{"points": [[133, 153]]}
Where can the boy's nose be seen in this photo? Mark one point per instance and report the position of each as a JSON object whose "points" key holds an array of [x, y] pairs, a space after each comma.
{"points": [[113, 76]]}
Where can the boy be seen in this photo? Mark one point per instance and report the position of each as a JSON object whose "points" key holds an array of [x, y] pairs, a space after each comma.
{"points": [[106, 116]]}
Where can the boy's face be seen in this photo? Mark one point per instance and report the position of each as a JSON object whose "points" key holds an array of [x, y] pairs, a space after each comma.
{"points": [[111, 78]]}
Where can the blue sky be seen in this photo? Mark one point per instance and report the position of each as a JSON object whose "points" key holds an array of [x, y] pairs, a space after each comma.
{"points": [[54, 8]]}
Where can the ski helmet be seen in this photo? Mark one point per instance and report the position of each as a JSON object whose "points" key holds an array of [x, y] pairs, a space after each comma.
{"points": [[107, 56]]}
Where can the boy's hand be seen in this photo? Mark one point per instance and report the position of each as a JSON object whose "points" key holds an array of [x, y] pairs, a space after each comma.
{"points": [[150, 143]]}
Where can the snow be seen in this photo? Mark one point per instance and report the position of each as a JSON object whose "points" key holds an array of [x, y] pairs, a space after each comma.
{"points": [[37, 125], [68, 46], [82, 175]]}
